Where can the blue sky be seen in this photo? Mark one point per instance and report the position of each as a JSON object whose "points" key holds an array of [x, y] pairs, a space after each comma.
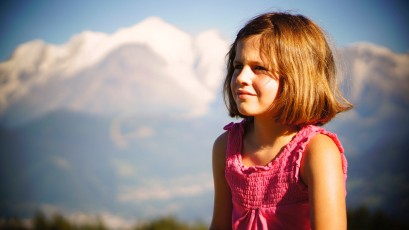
{"points": [[378, 21]]}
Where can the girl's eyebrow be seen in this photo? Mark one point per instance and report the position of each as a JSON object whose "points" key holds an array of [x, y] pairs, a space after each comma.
{"points": [[250, 62]]}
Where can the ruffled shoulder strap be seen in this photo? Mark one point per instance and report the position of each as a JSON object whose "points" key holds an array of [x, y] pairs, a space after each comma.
{"points": [[308, 132], [234, 137], [304, 136]]}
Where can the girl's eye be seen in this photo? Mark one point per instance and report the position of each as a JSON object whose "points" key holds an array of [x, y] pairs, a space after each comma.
{"points": [[260, 68]]}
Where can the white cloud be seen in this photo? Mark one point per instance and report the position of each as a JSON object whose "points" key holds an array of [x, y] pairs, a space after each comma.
{"points": [[188, 186], [150, 67], [377, 84], [212, 51], [122, 138], [370, 64], [123, 168]]}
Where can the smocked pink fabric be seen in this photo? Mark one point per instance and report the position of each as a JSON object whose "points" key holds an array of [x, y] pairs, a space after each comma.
{"points": [[271, 196]]}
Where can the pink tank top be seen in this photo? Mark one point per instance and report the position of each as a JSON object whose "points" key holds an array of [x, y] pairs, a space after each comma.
{"points": [[271, 196]]}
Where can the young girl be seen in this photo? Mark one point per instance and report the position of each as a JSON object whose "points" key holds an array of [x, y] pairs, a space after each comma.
{"points": [[277, 168]]}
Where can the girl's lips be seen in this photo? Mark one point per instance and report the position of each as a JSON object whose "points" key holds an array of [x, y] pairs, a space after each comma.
{"points": [[242, 94]]}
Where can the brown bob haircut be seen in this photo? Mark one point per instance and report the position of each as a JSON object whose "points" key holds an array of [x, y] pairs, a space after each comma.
{"points": [[304, 63]]}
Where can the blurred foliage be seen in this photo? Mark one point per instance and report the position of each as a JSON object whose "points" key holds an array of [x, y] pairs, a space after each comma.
{"points": [[358, 219], [363, 219], [41, 222], [170, 223], [58, 222]]}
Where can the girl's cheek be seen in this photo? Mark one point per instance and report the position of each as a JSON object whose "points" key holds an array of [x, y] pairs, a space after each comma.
{"points": [[268, 82]]}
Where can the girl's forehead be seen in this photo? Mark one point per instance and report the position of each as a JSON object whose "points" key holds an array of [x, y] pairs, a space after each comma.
{"points": [[252, 42], [250, 49]]}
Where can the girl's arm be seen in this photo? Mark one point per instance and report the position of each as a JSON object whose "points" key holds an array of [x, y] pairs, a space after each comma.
{"points": [[222, 209], [321, 170]]}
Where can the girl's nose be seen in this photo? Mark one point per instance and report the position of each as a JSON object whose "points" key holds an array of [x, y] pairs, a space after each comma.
{"points": [[245, 76]]}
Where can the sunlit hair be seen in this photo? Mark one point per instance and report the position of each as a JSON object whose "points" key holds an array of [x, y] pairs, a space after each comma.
{"points": [[298, 52]]}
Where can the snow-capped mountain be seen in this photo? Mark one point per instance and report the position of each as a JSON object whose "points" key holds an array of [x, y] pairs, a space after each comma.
{"points": [[142, 69]]}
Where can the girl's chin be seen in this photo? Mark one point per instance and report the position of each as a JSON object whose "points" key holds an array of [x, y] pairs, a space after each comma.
{"points": [[247, 113]]}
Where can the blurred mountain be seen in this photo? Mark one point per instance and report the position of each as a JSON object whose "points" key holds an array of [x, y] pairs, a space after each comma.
{"points": [[375, 133], [122, 125]]}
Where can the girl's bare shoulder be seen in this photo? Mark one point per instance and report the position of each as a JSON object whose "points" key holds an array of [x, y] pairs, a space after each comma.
{"points": [[322, 144], [320, 157], [219, 148]]}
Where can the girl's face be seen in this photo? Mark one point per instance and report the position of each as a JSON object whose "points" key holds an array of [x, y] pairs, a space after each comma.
{"points": [[253, 84]]}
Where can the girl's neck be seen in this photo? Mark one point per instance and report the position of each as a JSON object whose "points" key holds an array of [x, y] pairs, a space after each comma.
{"points": [[265, 131]]}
